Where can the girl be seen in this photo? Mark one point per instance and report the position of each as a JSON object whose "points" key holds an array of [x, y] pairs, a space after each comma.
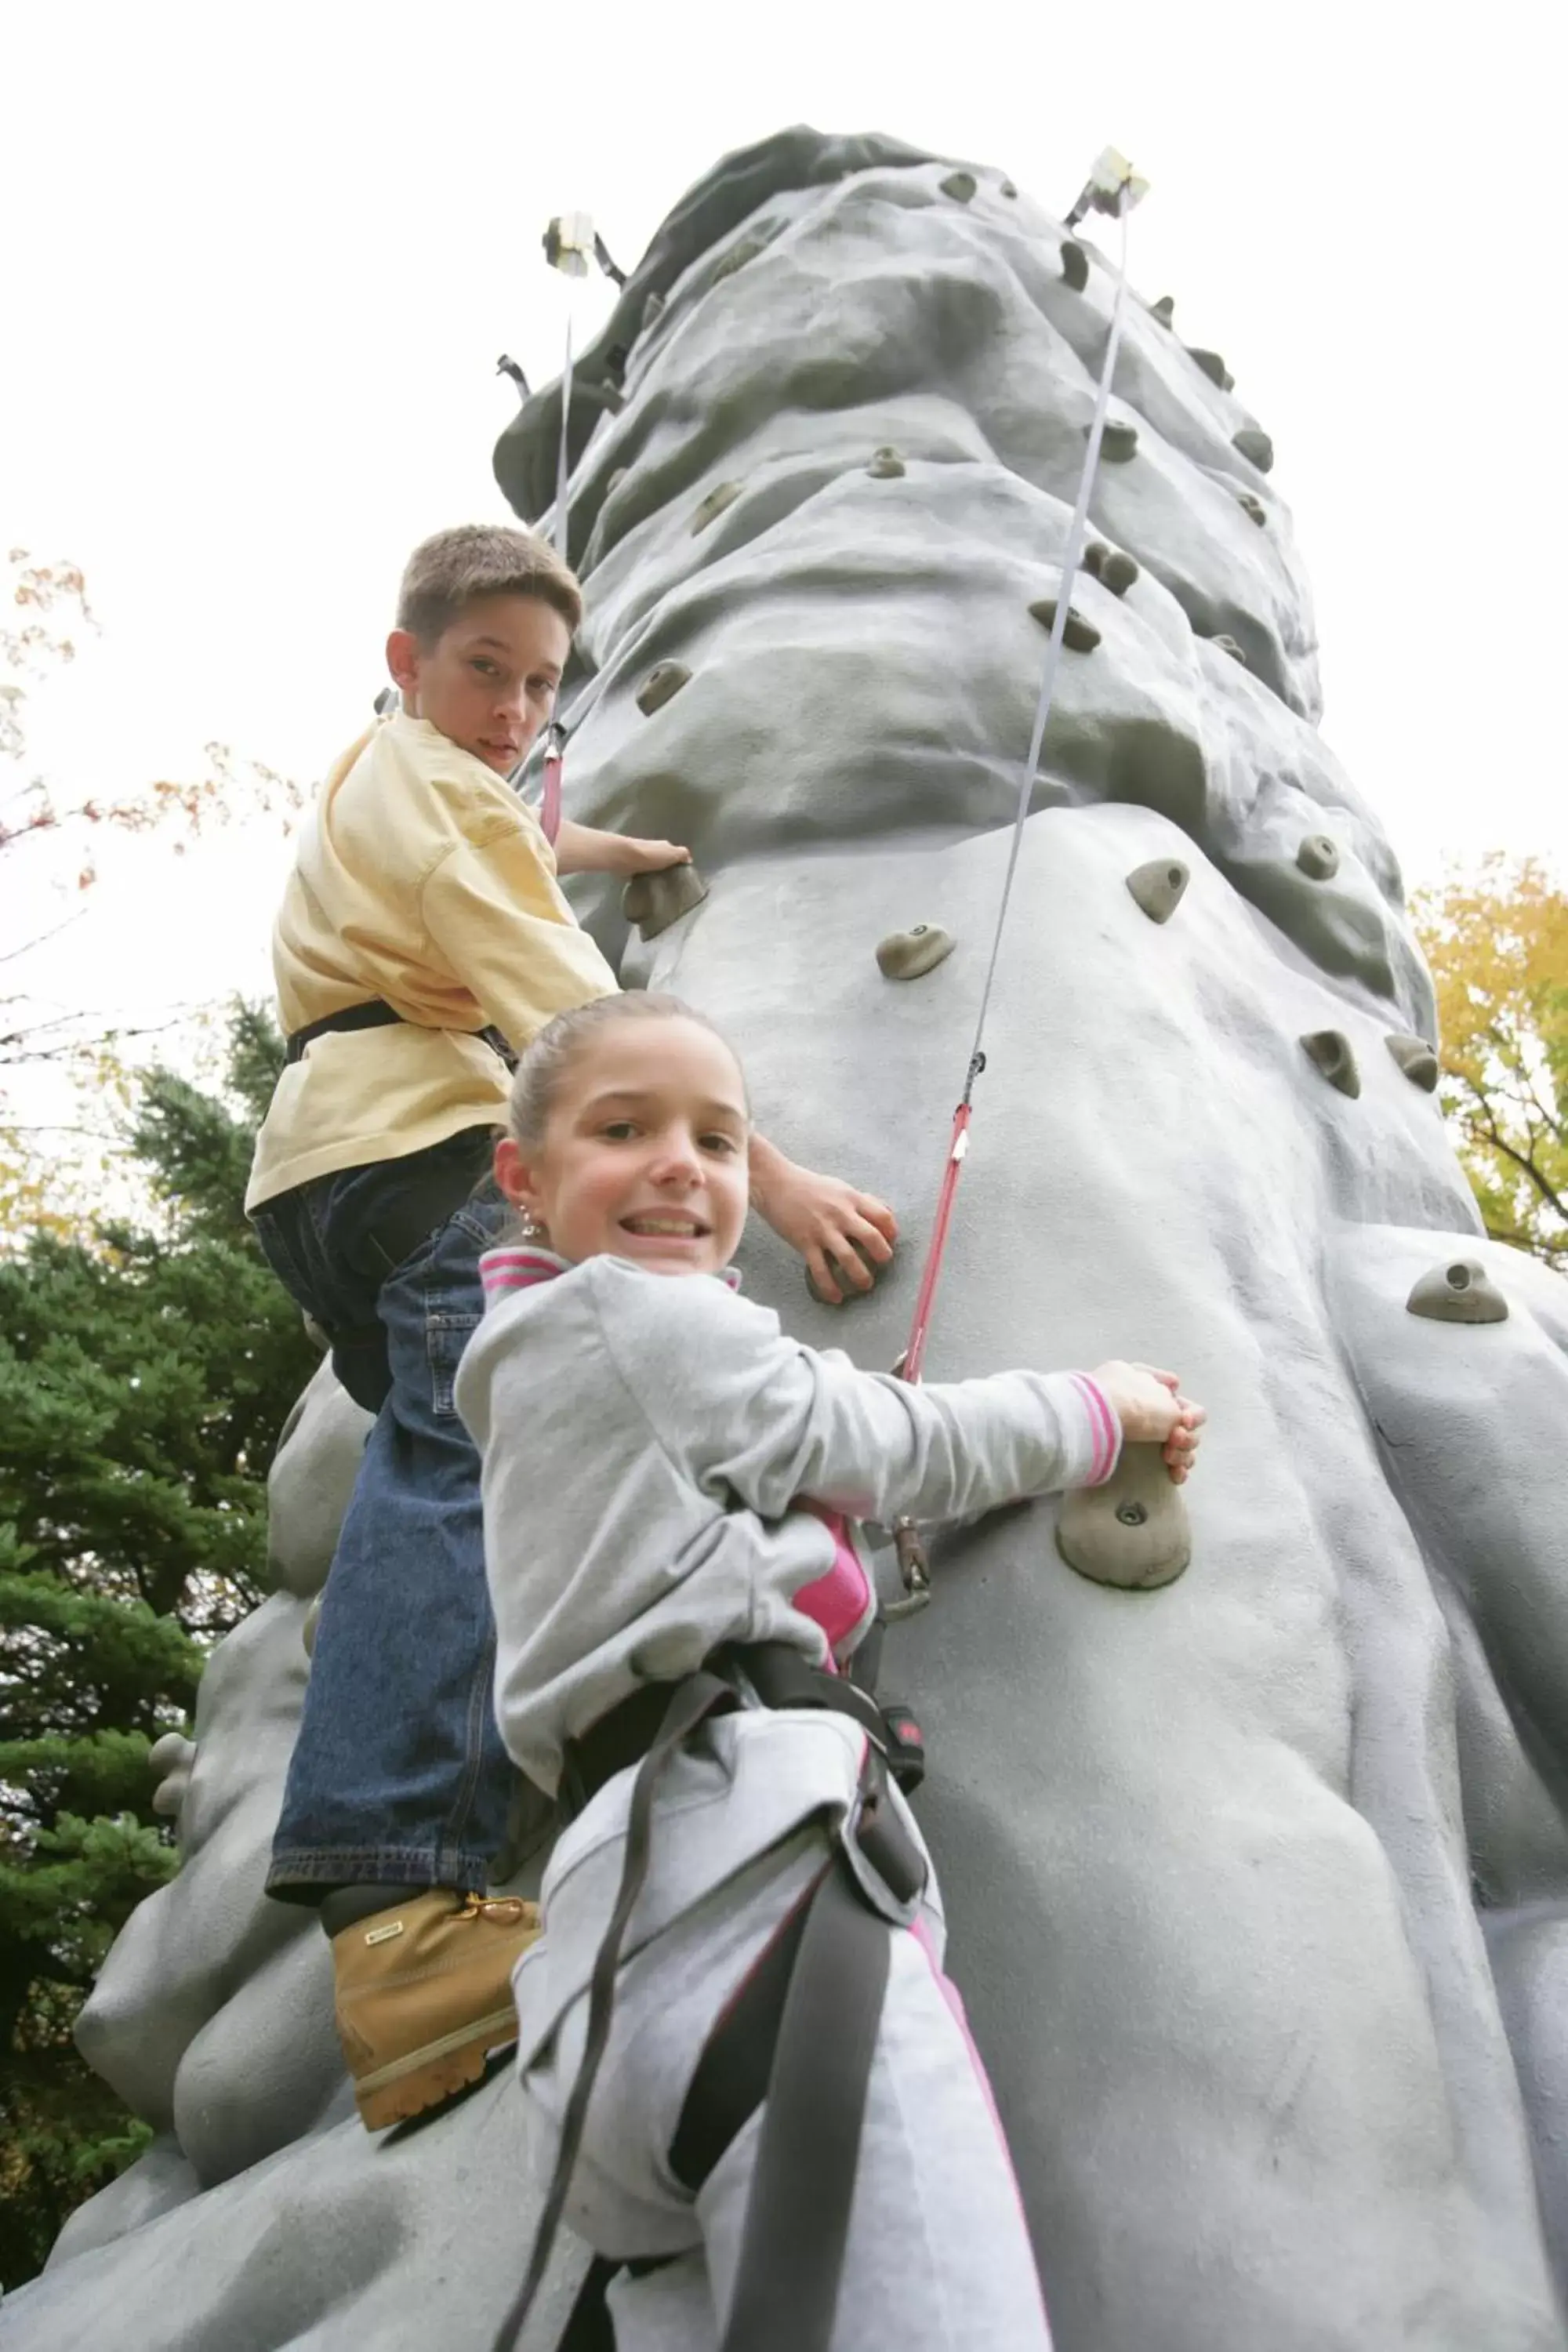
{"points": [[668, 1480]]}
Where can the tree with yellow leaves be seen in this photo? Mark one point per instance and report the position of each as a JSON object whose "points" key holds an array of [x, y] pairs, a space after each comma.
{"points": [[1497, 938]]}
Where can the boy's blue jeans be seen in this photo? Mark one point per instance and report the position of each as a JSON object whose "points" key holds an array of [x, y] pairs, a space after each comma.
{"points": [[398, 1775]]}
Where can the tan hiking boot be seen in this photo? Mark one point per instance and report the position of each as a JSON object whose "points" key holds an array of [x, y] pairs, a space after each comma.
{"points": [[423, 1991]]}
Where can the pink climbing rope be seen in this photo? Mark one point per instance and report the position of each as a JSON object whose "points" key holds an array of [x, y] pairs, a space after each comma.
{"points": [[550, 800], [914, 1353]]}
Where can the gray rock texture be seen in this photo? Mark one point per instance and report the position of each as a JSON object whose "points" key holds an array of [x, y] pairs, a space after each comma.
{"points": [[1259, 1881]]}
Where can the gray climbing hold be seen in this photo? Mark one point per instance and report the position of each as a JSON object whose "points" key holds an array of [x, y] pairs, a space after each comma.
{"points": [[1415, 1059], [1158, 886], [1213, 367], [1117, 444], [660, 685], [654, 901], [909, 955], [170, 1760], [872, 1269], [1462, 1291], [961, 186], [1330, 1051], [715, 504], [1228, 646], [307, 1630], [1255, 447], [1111, 566], [1318, 856], [1007, 188], [1132, 1532], [1164, 310], [1080, 636], [737, 258], [1075, 265], [886, 466], [1253, 509], [652, 309]]}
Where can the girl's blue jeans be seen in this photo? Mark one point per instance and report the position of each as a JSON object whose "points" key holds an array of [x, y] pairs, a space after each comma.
{"points": [[398, 1775]]}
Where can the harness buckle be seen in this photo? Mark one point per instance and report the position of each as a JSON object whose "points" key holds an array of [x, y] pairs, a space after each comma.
{"points": [[884, 1861], [914, 1568]]}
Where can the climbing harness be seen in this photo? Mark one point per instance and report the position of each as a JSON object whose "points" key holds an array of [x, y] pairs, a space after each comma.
{"points": [[1113, 188]]}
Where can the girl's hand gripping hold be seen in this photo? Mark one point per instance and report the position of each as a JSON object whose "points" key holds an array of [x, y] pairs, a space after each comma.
{"points": [[1152, 1412]]}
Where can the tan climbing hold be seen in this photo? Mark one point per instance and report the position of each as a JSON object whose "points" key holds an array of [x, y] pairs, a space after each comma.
{"points": [[617, 479], [1075, 264], [1117, 444], [307, 1630], [1222, 644], [654, 901], [1080, 636], [1318, 856], [886, 466], [1462, 1291], [1164, 310], [170, 1760], [1253, 509], [961, 186], [1111, 566], [737, 258], [1008, 189], [1415, 1059], [1158, 886], [715, 504], [1255, 447], [1213, 367], [908, 955], [660, 685], [1330, 1051], [1132, 1532]]}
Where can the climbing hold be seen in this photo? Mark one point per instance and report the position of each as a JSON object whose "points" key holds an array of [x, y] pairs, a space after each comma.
{"points": [[1158, 886], [715, 504], [961, 186], [1134, 1531], [1075, 265], [1111, 566], [660, 685], [1080, 636], [1213, 367], [1318, 856], [1164, 310], [886, 466], [170, 1759], [1228, 646], [1254, 509], [737, 258], [617, 479], [1255, 447], [1008, 189], [872, 1269], [1460, 1292], [1415, 1059], [909, 955], [654, 901], [1118, 443], [651, 310], [307, 1630], [1329, 1050]]}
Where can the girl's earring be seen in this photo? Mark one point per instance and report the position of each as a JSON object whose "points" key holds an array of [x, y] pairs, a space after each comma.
{"points": [[529, 1228]]}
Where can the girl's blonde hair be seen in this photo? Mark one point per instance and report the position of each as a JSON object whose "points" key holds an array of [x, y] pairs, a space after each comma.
{"points": [[536, 1082]]}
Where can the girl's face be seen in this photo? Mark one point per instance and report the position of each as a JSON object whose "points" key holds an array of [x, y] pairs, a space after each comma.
{"points": [[644, 1156]]}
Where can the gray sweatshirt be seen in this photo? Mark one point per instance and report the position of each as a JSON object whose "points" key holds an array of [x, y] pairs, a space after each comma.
{"points": [[650, 1444]]}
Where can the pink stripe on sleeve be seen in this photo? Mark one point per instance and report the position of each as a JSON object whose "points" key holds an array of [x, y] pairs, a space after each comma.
{"points": [[1104, 1424]]}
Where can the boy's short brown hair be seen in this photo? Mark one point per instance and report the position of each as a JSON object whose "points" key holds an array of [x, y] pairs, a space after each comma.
{"points": [[452, 567]]}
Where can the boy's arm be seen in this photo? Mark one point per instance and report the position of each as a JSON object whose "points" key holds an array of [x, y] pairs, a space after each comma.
{"points": [[583, 849], [494, 915], [822, 1217]]}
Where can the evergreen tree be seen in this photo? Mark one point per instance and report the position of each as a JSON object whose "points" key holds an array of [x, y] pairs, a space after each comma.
{"points": [[144, 1377]]}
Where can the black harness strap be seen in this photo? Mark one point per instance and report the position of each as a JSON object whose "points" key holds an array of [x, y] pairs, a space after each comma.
{"points": [[378, 1014], [686, 1705]]}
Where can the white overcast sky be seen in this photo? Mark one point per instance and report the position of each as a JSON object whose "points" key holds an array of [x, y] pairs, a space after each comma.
{"points": [[260, 261]]}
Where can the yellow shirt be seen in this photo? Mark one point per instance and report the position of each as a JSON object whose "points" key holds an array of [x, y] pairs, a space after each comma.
{"points": [[420, 878]]}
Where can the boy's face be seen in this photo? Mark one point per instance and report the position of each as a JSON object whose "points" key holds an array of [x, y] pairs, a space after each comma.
{"points": [[489, 682]]}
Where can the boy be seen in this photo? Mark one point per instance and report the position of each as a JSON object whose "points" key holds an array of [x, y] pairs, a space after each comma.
{"points": [[423, 916]]}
